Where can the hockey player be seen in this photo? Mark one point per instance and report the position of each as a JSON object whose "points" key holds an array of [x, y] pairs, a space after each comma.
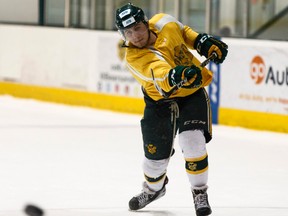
{"points": [[161, 46]]}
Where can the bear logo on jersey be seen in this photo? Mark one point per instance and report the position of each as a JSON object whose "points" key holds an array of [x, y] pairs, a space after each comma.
{"points": [[182, 56]]}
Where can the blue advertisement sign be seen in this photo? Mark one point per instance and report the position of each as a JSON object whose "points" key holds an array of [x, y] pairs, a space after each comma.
{"points": [[214, 91]]}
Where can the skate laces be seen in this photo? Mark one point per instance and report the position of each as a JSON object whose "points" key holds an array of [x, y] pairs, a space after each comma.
{"points": [[143, 197], [201, 200]]}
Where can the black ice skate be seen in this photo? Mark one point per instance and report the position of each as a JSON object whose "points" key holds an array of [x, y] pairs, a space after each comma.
{"points": [[146, 196], [201, 203]]}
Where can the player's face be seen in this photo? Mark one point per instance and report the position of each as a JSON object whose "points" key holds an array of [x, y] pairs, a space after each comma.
{"points": [[138, 35]]}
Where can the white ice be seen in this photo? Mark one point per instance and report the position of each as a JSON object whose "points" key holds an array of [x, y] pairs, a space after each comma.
{"points": [[78, 161]]}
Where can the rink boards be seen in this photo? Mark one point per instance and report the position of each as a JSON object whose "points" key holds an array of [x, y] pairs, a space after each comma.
{"points": [[82, 67]]}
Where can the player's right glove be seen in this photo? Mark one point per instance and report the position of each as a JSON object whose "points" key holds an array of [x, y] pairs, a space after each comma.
{"points": [[206, 44], [191, 73]]}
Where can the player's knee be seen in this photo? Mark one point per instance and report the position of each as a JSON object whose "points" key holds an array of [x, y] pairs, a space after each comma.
{"points": [[192, 143]]}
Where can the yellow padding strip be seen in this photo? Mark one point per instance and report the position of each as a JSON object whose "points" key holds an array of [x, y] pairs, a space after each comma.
{"points": [[254, 120], [74, 97], [196, 159]]}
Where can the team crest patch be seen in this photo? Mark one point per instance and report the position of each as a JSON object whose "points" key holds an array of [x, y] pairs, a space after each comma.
{"points": [[199, 165], [151, 148], [182, 56], [192, 166]]}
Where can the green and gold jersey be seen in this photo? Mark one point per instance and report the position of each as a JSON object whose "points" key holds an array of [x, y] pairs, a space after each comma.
{"points": [[170, 49]]}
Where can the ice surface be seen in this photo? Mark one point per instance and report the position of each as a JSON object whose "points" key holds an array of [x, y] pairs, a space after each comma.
{"points": [[77, 161]]}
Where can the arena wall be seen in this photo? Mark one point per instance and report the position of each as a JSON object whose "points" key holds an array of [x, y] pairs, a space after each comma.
{"points": [[86, 68]]}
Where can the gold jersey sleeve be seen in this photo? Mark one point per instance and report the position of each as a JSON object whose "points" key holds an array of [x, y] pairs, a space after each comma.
{"points": [[170, 49]]}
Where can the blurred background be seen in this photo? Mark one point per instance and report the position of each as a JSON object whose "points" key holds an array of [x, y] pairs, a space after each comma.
{"points": [[265, 19], [69, 51]]}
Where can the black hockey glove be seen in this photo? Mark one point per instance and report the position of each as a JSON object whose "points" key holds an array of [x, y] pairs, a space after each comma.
{"points": [[179, 73], [206, 45]]}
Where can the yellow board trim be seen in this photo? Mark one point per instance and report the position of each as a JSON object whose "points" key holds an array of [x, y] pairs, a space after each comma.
{"points": [[227, 116], [253, 120], [74, 97]]}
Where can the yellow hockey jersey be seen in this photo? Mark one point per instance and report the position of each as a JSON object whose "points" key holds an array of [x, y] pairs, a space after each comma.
{"points": [[170, 49]]}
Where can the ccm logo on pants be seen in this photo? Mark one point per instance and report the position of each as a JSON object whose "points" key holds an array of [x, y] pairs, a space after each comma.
{"points": [[194, 122]]}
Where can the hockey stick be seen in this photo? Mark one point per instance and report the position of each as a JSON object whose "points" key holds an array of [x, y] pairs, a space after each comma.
{"points": [[182, 82]]}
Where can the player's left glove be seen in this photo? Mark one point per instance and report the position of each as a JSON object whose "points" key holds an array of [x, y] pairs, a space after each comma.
{"points": [[206, 44], [179, 73]]}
